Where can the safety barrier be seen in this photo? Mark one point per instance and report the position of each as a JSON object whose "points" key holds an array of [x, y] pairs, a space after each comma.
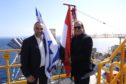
{"points": [[7, 66], [120, 49], [121, 73], [119, 76]]}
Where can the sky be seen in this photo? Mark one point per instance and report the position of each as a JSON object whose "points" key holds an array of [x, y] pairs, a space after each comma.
{"points": [[17, 17]]}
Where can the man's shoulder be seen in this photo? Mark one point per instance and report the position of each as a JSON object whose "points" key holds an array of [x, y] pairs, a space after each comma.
{"points": [[29, 38], [87, 36]]}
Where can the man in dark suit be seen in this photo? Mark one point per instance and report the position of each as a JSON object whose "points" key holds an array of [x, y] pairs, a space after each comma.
{"points": [[33, 56], [81, 48]]}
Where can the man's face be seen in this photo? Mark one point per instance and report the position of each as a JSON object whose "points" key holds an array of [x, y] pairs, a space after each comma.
{"points": [[38, 29], [78, 29]]}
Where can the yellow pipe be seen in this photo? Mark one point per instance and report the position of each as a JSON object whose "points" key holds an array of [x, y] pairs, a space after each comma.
{"points": [[6, 56], [19, 82], [8, 71], [60, 76], [15, 65], [2, 66], [111, 69], [99, 74], [121, 73], [99, 71], [53, 77], [10, 50], [122, 63], [117, 50], [125, 74], [115, 78]]}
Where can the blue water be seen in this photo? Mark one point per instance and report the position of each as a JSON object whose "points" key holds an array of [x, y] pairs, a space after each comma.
{"points": [[4, 45]]}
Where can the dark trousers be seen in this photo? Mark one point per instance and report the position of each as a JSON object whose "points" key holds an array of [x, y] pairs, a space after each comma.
{"points": [[82, 81], [41, 76]]}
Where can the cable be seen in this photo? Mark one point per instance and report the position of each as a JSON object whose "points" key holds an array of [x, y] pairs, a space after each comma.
{"points": [[100, 21], [91, 17]]}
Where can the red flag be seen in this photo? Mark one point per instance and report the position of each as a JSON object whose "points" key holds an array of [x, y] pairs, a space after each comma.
{"points": [[66, 41]]}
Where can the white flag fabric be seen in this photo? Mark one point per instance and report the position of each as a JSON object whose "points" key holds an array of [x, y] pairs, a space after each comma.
{"points": [[52, 48], [66, 40]]}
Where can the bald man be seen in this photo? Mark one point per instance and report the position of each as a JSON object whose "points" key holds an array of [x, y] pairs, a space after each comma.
{"points": [[33, 56]]}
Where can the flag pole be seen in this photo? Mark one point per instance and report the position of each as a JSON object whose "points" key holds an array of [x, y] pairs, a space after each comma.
{"points": [[73, 10], [69, 4], [66, 43]]}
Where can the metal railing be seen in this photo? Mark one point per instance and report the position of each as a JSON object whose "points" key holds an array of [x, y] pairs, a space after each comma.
{"points": [[120, 49], [120, 75], [6, 56], [7, 66]]}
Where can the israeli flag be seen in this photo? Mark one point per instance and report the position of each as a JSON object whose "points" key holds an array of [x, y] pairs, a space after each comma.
{"points": [[52, 54]]}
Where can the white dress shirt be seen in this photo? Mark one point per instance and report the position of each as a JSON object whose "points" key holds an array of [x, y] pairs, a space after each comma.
{"points": [[42, 50]]}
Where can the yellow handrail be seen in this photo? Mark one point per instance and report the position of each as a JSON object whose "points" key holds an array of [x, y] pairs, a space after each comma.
{"points": [[111, 69], [119, 49], [10, 50], [6, 56], [123, 73]]}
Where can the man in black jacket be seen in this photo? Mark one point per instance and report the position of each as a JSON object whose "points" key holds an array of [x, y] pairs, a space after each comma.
{"points": [[33, 57], [81, 48]]}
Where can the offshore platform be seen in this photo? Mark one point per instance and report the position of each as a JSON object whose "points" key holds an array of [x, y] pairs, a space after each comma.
{"points": [[115, 73]]}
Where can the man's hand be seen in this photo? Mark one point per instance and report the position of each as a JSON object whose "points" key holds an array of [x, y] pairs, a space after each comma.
{"points": [[30, 78]]}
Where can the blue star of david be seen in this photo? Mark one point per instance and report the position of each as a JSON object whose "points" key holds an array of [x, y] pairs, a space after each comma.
{"points": [[49, 44]]}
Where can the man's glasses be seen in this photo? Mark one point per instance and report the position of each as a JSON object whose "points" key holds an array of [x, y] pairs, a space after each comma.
{"points": [[77, 27]]}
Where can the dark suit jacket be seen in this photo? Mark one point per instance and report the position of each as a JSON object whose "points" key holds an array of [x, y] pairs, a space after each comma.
{"points": [[81, 48], [30, 56]]}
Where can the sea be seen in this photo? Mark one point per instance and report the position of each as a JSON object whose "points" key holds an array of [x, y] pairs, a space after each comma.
{"points": [[101, 44], [4, 45]]}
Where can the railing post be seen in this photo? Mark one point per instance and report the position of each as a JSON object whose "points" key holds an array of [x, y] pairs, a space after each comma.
{"points": [[111, 69], [122, 62], [99, 74], [6, 56], [124, 72]]}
